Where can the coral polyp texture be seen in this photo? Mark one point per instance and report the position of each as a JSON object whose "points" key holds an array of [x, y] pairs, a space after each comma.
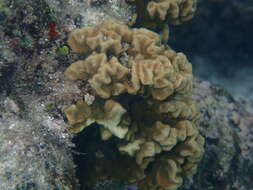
{"points": [[172, 11], [142, 95]]}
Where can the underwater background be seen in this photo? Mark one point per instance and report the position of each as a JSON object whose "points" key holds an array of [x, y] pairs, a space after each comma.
{"points": [[61, 128], [219, 43]]}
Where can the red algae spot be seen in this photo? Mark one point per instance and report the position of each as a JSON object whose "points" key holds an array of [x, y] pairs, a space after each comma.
{"points": [[52, 33]]}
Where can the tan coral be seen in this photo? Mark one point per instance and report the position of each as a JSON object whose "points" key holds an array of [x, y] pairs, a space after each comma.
{"points": [[105, 133], [83, 68], [142, 91], [107, 80], [165, 175], [147, 150], [166, 171], [174, 11], [80, 115], [112, 116], [78, 112], [132, 147], [145, 42], [180, 109], [162, 8], [102, 38], [158, 14], [151, 66]]}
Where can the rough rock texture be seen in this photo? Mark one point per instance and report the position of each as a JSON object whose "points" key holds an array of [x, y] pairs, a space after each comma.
{"points": [[33, 57], [227, 128], [35, 150], [33, 37]]}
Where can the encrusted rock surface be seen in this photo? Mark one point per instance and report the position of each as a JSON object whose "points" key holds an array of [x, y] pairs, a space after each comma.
{"points": [[227, 127], [35, 149]]}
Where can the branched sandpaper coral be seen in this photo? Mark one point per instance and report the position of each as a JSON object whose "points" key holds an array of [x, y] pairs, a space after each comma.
{"points": [[142, 97], [172, 11], [157, 14]]}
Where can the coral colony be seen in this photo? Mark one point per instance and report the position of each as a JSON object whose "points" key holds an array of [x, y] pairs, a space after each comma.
{"points": [[142, 95]]}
